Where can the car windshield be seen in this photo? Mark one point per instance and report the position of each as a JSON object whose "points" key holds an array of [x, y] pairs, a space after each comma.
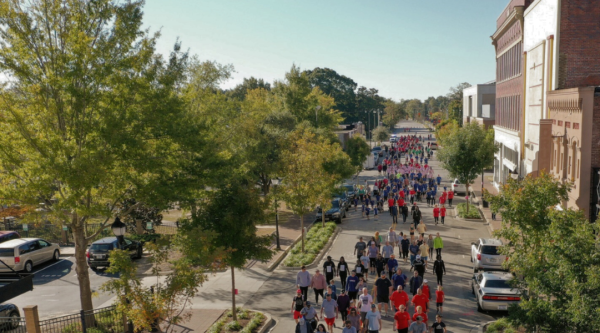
{"points": [[489, 250], [349, 187], [101, 247], [335, 204], [7, 252], [502, 284]]}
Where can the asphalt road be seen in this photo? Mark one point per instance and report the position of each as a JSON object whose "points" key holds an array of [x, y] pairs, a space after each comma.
{"points": [[56, 289], [460, 310]]}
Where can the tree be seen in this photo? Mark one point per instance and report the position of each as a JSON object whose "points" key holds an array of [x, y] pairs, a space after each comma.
{"points": [[466, 152], [87, 112], [392, 114], [358, 150], [414, 108], [553, 252], [455, 111], [381, 134], [367, 101], [305, 177], [338, 86], [444, 128], [241, 90], [456, 93], [232, 213]]}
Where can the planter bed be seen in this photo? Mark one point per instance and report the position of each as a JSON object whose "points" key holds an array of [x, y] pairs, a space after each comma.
{"points": [[248, 322], [317, 238], [461, 209]]}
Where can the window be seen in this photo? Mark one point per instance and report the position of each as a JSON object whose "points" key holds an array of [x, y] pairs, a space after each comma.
{"points": [[562, 158], [489, 250], [43, 243], [560, 123], [7, 253], [502, 284], [508, 64], [24, 249], [567, 124], [575, 125]]}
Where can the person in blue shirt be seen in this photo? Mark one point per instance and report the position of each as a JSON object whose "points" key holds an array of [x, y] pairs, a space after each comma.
{"points": [[368, 212], [439, 179], [412, 175], [399, 279], [419, 175], [392, 265], [351, 283], [426, 160], [413, 249], [429, 198]]}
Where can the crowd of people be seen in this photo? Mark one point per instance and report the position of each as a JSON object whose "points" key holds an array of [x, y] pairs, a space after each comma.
{"points": [[406, 178]]}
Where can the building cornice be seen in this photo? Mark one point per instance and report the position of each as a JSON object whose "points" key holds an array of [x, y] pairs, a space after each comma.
{"points": [[515, 15]]}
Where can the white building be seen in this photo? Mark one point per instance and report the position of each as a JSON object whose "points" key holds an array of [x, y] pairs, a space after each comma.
{"points": [[479, 104]]}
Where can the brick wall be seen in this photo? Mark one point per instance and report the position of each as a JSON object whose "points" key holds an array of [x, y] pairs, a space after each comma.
{"points": [[596, 133], [579, 58]]}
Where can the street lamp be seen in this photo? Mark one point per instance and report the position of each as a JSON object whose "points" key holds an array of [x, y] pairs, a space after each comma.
{"points": [[119, 228], [276, 183]]}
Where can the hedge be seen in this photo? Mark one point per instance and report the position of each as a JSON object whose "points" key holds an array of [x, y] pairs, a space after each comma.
{"points": [[461, 208], [316, 238]]}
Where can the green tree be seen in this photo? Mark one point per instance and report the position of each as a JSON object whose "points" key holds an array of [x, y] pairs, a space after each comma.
{"points": [[367, 101], [381, 134], [455, 111], [232, 213], [554, 253], [456, 92], [241, 90], [414, 108], [340, 87], [392, 114], [466, 152], [89, 112], [358, 150]]}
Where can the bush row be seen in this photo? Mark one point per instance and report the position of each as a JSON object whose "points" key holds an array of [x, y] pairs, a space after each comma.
{"points": [[316, 238]]}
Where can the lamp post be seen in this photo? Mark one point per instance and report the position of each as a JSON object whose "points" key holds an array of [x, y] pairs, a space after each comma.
{"points": [[119, 228], [370, 131], [275, 183]]}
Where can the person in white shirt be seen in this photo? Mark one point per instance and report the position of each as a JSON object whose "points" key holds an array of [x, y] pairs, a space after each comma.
{"points": [[364, 303]]}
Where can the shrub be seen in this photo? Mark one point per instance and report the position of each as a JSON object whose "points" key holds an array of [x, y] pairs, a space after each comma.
{"points": [[500, 326], [72, 328], [254, 323], [233, 326], [462, 211], [316, 238]]}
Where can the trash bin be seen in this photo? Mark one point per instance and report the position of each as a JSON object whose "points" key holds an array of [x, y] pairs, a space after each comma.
{"points": [[485, 204]]}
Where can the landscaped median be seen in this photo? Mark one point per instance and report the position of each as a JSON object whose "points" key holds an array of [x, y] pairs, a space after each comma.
{"points": [[473, 214], [316, 239], [247, 322]]}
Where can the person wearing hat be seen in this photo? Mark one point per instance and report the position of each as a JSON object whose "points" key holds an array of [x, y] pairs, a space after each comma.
{"points": [[329, 311], [303, 326], [373, 320], [418, 326], [310, 314], [329, 269], [297, 305], [402, 320], [343, 302], [427, 293], [419, 265], [303, 281]]}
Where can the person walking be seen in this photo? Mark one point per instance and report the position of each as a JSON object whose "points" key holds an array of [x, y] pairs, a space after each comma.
{"points": [[303, 281], [329, 311], [310, 314], [354, 318], [367, 265], [414, 250], [415, 283], [418, 326], [329, 269], [404, 212], [392, 238], [416, 215], [360, 269], [380, 265], [439, 269], [373, 252], [342, 271], [450, 197], [343, 303], [421, 228], [443, 213], [438, 326], [387, 251], [404, 245], [438, 244], [419, 312], [424, 248], [401, 320], [399, 298], [439, 299], [297, 305], [348, 328], [365, 301], [392, 265], [318, 283], [420, 300], [303, 326], [359, 248], [352, 284], [438, 179], [430, 242], [399, 279], [383, 289], [436, 213], [373, 320], [321, 328]]}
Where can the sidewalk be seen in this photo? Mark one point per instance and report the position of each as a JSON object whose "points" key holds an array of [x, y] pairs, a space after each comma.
{"points": [[487, 212]]}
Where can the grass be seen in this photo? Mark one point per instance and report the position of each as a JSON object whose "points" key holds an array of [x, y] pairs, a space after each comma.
{"points": [[461, 208], [501, 326], [316, 238], [264, 231], [284, 216], [248, 322]]}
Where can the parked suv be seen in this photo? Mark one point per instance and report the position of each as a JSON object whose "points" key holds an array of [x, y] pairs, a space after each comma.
{"points": [[350, 190], [5, 236], [485, 255], [493, 291], [22, 254], [336, 213], [97, 254], [342, 196], [457, 187]]}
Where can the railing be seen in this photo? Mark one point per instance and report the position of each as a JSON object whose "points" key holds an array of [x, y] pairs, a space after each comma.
{"points": [[13, 325], [105, 320]]}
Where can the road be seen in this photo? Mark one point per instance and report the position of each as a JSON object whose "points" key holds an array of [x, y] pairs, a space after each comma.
{"points": [[460, 312]]}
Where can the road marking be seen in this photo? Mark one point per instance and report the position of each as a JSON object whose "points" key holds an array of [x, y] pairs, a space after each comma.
{"points": [[47, 295], [58, 262]]}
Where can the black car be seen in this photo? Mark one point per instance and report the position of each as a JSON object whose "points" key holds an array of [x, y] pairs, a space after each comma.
{"points": [[350, 191], [98, 252], [342, 196], [10, 317], [336, 213]]}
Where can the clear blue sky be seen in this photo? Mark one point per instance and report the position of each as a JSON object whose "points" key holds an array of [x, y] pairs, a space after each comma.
{"points": [[404, 48]]}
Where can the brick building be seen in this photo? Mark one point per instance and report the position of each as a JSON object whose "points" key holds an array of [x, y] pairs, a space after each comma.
{"points": [[562, 136], [508, 128]]}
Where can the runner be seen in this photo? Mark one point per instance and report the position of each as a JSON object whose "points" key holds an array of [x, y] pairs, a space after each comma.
{"points": [[297, 305]]}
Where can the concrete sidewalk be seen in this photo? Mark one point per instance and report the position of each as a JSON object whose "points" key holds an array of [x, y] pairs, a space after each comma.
{"points": [[493, 225]]}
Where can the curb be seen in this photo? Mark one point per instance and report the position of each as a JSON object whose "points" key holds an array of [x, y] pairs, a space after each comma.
{"points": [[268, 322], [469, 219], [275, 263], [321, 254]]}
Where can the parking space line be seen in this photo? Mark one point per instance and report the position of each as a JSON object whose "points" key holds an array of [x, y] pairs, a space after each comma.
{"points": [[58, 262]]}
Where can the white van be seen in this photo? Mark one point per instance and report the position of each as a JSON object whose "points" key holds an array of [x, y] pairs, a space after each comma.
{"points": [[23, 253]]}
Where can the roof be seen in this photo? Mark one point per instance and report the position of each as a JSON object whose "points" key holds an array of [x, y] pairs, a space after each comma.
{"points": [[16, 242], [496, 275], [106, 240], [6, 232], [491, 241]]}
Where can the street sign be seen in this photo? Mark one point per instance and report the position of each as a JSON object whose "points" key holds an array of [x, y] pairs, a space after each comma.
{"points": [[65, 228], [148, 225], [25, 227]]}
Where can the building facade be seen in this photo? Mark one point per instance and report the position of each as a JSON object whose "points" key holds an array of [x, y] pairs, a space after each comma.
{"points": [[479, 104], [509, 120]]}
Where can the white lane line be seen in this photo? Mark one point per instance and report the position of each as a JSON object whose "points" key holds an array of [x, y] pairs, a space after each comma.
{"points": [[56, 263], [47, 295]]}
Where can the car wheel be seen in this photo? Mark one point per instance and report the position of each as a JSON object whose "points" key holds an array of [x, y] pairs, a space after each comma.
{"points": [[139, 253], [479, 308], [475, 270], [14, 319], [28, 268], [95, 269], [56, 256]]}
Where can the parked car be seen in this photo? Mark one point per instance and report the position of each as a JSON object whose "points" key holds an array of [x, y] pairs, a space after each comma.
{"points": [[22, 254], [493, 292], [344, 200], [5, 236], [336, 213], [350, 191], [485, 255], [458, 187], [434, 146], [9, 317], [97, 254], [393, 139], [378, 150]]}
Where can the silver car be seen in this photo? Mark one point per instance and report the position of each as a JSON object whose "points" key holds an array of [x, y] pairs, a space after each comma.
{"points": [[23, 253], [493, 291], [485, 255]]}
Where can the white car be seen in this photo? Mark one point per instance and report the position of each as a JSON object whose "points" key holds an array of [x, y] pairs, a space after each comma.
{"points": [[393, 139], [457, 187], [485, 255], [493, 291]]}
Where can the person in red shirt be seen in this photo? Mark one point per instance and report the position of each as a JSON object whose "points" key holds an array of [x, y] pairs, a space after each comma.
{"points": [[427, 293], [419, 299], [439, 299], [412, 195], [450, 197], [402, 320], [401, 193], [399, 298], [401, 200], [379, 168], [390, 204], [421, 314], [443, 213], [443, 199], [436, 214]]}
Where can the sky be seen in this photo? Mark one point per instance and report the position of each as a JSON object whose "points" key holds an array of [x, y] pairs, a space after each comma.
{"points": [[404, 48]]}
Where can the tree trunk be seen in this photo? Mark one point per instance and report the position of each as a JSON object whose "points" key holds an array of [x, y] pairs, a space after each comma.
{"points": [[233, 312], [467, 190], [323, 217], [81, 266], [302, 230]]}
